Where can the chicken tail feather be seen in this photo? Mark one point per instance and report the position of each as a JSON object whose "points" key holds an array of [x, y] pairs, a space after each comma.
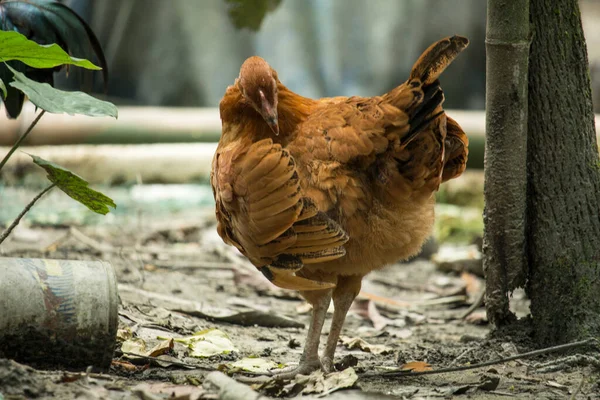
{"points": [[436, 58], [287, 280]]}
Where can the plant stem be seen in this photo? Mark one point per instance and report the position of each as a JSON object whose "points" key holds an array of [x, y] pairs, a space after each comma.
{"points": [[25, 210], [20, 140], [547, 350]]}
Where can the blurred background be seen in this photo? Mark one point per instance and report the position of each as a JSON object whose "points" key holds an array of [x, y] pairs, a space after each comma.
{"points": [[186, 52], [170, 62]]}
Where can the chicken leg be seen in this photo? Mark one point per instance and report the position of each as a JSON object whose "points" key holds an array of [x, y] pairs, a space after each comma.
{"points": [[309, 361], [344, 294]]}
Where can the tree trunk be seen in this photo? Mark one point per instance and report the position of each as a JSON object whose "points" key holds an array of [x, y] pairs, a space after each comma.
{"points": [[507, 51], [563, 225]]}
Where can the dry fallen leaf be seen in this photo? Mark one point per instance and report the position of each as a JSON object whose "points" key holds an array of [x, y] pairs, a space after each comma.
{"points": [[416, 366], [256, 365], [134, 346], [368, 310], [161, 348], [124, 334], [358, 343], [474, 284], [208, 343], [318, 382], [123, 366], [477, 318]]}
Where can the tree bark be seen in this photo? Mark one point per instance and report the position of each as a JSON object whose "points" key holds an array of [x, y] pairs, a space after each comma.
{"points": [[507, 51], [563, 224]]}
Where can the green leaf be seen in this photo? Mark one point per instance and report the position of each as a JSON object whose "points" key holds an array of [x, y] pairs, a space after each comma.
{"points": [[250, 13], [75, 187], [3, 88], [58, 101], [14, 46]]}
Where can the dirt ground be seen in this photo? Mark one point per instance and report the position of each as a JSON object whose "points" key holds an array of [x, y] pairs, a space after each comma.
{"points": [[176, 278]]}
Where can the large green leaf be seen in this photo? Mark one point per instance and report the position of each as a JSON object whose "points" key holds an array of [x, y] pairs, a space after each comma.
{"points": [[3, 88], [14, 46], [58, 101], [75, 186]]}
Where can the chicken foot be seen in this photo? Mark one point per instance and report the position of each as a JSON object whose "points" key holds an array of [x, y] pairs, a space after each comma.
{"points": [[309, 361], [344, 294]]}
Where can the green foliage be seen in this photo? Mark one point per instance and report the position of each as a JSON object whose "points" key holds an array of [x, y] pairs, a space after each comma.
{"points": [[57, 101], [3, 88], [75, 187], [14, 46], [250, 13]]}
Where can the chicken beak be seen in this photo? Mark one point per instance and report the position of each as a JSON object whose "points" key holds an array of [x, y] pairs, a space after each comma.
{"points": [[269, 114], [273, 124], [270, 117]]}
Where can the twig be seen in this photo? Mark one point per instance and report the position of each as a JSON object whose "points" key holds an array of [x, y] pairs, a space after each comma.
{"points": [[88, 241], [185, 264], [487, 363], [109, 248], [568, 361], [475, 305], [460, 357], [403, 305], [176, 363], [22, 214], [20, 140], [54, 245], [502, 393], [578, 388]]}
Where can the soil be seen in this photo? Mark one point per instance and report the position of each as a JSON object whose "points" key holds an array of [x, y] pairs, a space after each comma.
{"points": [[412, 310]]}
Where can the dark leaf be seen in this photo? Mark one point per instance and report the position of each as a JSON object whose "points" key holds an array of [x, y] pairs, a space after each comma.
{"points": [[75, 187], [250, 13], [58, 101]]}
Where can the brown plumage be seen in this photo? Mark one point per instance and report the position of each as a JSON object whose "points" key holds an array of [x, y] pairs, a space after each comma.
{"points": [[318, 193]]}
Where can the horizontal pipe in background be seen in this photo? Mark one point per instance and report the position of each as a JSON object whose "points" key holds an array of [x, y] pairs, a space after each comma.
{"points": [[148, 125]]}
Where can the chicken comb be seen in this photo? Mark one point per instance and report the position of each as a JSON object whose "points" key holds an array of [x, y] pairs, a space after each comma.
{"points": [[436, 58]]}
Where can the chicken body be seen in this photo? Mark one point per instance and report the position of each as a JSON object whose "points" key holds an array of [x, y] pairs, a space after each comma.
{"points": [[318, 193]]}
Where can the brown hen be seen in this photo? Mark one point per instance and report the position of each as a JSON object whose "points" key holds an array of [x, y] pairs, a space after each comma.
{"points": [[318, 193]]}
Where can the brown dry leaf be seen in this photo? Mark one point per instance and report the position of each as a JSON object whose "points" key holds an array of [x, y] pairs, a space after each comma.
{"points": [[68, 378], [358, 343], [324, 384], [385, 300], [378, 320], [477, 318], [162, 348], [150, 267], [123, 366], [368, 310], [416, 366], [473, 283]]}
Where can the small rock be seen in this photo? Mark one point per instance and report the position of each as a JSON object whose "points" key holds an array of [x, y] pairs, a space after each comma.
{"points": [[346, 362]]}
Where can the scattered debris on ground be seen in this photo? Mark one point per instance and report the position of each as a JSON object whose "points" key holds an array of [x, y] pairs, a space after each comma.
{"points": [[197, 321]]}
